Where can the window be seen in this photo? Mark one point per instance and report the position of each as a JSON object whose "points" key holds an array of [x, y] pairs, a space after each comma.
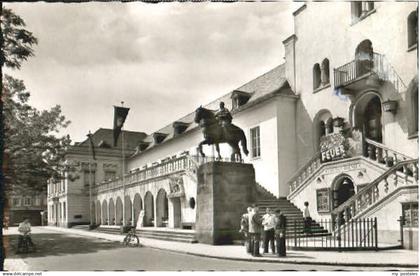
{"points": [[413, 107], [37, 201], [109, 175], [412, 29], [329, 126], [323, 200], [410, 214], [27, 201], [361, 9], [255, 142], [16, 201], [325, 72], [64, 210], [316, 76], [86, 177]]}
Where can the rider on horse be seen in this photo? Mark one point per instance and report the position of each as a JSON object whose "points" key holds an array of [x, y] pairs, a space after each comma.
{"points": [[224, 117]]}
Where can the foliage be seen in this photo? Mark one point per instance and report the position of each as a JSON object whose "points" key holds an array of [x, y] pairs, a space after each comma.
{"points": [[33, 150], [17, 41]]}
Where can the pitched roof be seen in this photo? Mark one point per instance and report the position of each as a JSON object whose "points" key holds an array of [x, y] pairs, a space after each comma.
{"points": [[271, 82], [105, 136]]}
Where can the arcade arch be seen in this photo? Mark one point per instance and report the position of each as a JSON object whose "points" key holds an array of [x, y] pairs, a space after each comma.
{"points": [[111, 212], [161, 208], [137, 207], [118, 211], [149, 213], [104, 213], [128, 211]]}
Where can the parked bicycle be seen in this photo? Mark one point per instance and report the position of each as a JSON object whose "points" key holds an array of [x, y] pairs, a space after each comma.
{"points": [[131, 239]]}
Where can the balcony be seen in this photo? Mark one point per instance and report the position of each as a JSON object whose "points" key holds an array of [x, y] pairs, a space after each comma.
{"points": [[185, 163], [371, 72]]}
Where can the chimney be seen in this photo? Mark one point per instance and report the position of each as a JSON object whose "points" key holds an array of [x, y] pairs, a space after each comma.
{"points": [[290, 57]]}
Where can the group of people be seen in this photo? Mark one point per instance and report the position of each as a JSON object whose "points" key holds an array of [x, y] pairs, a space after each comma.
{"points": [[271, 225]]}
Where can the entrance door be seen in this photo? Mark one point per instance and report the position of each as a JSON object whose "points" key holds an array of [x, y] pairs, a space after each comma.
{"points": [[343, 190], [372, 123], [176, 202]]}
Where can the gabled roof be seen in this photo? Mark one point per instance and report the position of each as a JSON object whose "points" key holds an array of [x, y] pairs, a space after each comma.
{"points": [[105, 136], [271, 82]]}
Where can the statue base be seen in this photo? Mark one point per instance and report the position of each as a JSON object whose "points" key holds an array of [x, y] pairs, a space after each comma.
{"points": [[224, 191]]}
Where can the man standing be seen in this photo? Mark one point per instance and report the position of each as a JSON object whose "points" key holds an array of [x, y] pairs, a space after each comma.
{"points": [[307, 219], [255, 231], [245, 230], [280, 234], [269, 222]]}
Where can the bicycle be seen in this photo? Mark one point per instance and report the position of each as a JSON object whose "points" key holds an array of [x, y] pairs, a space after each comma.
{"points": [[131, 239], [26, 245]]}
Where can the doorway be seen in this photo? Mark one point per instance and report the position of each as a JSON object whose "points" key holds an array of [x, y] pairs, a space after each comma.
{"points": [[343, 189]]}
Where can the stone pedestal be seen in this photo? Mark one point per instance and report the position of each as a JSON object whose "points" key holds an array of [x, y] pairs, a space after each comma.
{"points": [[224, 191]]}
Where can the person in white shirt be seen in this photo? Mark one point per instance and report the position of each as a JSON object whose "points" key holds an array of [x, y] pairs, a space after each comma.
{"points": [[307, 219], [269, 223], [24, 231]]}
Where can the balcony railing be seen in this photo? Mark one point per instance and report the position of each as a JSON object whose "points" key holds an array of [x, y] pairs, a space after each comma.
{"points": [[378, 64], [171, 166]]}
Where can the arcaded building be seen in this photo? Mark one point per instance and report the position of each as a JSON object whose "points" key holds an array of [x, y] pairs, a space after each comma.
{"points": [[335, 125]]}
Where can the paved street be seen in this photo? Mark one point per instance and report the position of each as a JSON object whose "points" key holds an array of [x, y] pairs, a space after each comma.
{"points": [[64, 251]]}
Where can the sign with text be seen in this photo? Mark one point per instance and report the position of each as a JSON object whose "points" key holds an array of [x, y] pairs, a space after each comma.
{"points": [[333, 147]]}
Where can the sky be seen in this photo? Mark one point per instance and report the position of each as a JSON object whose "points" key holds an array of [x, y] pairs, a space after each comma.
{"points": [[163, 60]]}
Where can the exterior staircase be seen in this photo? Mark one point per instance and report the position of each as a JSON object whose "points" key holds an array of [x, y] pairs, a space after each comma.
{"points": [[178, 235], [294, 216]]}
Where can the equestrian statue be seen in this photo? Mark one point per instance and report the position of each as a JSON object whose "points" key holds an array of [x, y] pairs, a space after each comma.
{"points": [[218, 128]]}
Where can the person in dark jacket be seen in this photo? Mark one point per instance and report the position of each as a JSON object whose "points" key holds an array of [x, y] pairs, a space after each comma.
{"points": [[255, 225], [280, 233], [245, 230]]}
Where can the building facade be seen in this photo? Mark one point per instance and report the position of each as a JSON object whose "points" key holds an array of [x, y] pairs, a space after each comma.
{"points": [[68, 199], [335, 125], [30, 205]]}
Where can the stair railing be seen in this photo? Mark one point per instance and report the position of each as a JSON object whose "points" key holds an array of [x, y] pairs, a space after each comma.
{"points": [[377, 189], [304, 172], [382, 154]]}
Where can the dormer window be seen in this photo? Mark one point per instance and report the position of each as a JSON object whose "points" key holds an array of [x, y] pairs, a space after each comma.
{"points": [[103, 144], [158, 137], [239, 98], [143, 145], [179, 127]]}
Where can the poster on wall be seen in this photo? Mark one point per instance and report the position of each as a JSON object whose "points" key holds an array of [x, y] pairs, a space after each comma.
{"points": [[333, 147]]}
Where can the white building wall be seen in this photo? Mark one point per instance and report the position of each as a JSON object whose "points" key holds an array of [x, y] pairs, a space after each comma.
{"points": [[336, 38]]}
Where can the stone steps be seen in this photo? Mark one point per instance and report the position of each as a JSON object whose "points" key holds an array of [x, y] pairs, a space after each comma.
{"points": [[173, 235], [290, 211]]}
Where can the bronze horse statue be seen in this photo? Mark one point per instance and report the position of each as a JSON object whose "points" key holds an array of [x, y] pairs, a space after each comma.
{"points": [[215, 134]]}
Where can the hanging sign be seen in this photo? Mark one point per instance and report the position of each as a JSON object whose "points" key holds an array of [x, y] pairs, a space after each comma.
{"points": [[333, 147]]}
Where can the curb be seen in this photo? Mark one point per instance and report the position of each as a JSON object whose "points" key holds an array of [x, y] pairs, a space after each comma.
{"points": [[279, 260]]}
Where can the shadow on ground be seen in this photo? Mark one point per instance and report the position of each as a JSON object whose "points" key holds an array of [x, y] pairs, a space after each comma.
{"points": [[54, 244]]}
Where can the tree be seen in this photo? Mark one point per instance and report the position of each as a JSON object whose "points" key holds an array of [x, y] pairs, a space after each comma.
{"points": [[32, 150]]}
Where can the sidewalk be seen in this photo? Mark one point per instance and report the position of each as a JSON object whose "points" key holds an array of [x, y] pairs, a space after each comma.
{"points": [[386, 258]]}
